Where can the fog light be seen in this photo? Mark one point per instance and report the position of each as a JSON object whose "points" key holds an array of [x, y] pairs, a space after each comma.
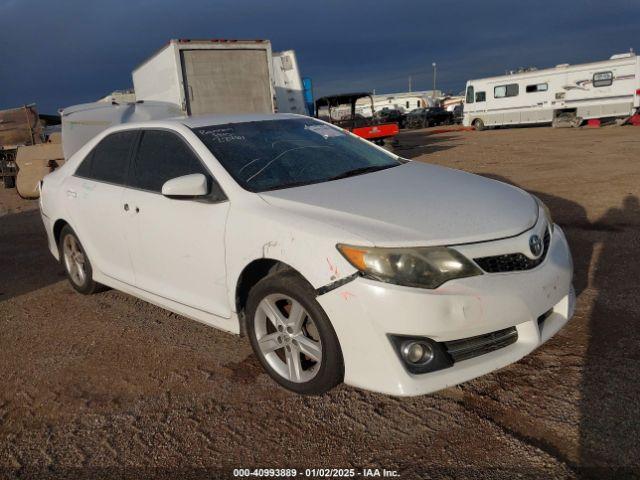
{"points": [[420, 354], [416, 352]]}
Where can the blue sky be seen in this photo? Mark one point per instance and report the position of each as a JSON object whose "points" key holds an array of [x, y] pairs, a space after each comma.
{"points": [[74, 51]]}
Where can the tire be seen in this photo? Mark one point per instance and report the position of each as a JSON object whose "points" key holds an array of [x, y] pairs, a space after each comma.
{"points": [[76, 263], [279, 344], [426, 123], [478, 124]]}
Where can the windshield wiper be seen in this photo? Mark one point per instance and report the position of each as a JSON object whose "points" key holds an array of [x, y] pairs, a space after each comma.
{"points": [[360, 171]]}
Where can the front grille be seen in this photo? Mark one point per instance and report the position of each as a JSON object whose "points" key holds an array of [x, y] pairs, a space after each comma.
{"points": [[513, 262], [475, 346]]}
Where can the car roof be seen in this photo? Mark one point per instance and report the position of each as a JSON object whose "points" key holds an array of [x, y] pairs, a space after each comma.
{"points": [[207, 120]]}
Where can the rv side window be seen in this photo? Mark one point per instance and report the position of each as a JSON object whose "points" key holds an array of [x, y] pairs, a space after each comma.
{"points": [[510, 90], [481, 96], [470, 94], [602, 79], [407, 104], [539, 87]]}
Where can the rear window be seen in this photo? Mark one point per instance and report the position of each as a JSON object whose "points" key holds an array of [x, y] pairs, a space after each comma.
{"points": [[109, 160], [275, 154], [602, 79]]}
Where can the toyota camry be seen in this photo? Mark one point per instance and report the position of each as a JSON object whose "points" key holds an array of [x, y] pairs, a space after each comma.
{"points": [[340, 261]]}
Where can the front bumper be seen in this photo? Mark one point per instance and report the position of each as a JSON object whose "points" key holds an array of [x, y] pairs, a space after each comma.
{"points": [[364, 311]]}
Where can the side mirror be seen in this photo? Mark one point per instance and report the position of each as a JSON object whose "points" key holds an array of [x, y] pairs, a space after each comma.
{"points": [[187, 186]]}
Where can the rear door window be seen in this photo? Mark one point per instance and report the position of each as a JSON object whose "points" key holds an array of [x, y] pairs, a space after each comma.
{"points": [[163, 155], [109, 160]]}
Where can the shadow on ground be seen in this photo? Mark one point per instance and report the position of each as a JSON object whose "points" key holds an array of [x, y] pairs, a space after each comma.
{"points": [[25, 262], [412, 144], [606, 251]]}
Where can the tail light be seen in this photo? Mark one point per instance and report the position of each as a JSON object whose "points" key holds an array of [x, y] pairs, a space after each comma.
{"points": [[638, 92]]}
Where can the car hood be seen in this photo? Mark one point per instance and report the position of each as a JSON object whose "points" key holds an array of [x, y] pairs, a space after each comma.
{"points": [[414, 204]]}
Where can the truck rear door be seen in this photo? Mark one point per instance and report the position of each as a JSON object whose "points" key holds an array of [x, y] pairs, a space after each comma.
{"points": [[226, 81]]}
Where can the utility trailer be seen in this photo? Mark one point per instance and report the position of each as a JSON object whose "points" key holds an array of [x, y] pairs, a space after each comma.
{"points": [[288, 84], [373, 129], [18, 126], [565, 95], [209, 76]]}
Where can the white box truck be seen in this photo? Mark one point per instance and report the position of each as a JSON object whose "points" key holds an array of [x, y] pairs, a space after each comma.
{"points": [[563, 95], [289, 89], [209, 76]]}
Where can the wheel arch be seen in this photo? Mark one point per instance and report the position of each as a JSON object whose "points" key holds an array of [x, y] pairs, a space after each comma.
{"points": [[250, 275], [57, 229]]}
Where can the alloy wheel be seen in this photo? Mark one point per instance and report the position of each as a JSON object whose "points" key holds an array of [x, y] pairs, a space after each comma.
{"points": [[74, 260], [288, 338]]}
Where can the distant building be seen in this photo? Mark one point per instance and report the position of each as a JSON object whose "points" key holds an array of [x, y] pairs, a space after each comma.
{"points": [[403, 101], [406, 101]]}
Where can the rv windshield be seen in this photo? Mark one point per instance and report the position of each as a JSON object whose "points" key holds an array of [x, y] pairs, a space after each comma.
{"points": [[275, 154]]}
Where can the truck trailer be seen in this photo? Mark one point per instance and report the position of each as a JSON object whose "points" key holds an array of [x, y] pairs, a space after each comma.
{"points": [[209, 76], [18, 127], [565, 95], [288, 84]]}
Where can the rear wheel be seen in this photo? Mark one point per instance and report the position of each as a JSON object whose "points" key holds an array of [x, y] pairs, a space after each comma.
{"points": [[292, 336], [478, 124], [76, 263]]}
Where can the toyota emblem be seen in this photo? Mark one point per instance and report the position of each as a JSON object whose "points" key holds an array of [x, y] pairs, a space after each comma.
{"points": [[535, 244]]}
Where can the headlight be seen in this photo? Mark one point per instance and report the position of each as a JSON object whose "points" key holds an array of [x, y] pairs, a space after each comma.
{"points": [[424, 267], [547, 212]]}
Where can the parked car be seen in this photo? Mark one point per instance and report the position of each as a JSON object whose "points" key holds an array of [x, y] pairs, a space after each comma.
{"points": [[392, 115], [339, 260], [458, 113], [428, 117]]}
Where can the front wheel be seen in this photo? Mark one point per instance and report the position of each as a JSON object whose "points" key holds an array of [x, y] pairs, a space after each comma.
{"points": [[478, 124], [292, 336]]}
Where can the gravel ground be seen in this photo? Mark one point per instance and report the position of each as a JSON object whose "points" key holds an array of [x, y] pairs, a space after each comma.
{"points": [[110, 386]]}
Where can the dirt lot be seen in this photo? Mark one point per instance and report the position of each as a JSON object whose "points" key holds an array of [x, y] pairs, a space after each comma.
{"points": [[108, 385]]}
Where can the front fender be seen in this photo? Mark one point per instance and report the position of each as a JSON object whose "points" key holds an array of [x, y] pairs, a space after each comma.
{"points": [[257, 230]]}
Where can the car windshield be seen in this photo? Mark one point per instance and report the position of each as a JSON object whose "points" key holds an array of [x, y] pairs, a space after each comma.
{"points": [[275, 154]]}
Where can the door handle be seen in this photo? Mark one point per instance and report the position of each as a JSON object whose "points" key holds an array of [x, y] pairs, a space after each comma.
{"points": [[126, 207], [72, 194]]}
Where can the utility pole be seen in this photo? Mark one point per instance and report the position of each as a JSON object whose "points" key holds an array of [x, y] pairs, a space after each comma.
{"points": [[433, 93], [409, 82]]}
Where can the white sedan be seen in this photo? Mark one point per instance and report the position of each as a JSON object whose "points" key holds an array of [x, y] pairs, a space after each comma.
{"points": [[339, 260]]}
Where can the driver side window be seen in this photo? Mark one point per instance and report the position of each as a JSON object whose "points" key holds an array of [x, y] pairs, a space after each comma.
{"points": [[470, 94], [162, 156]]}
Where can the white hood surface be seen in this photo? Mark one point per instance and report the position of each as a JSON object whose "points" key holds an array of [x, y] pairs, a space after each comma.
{"points": [[414, 204]]}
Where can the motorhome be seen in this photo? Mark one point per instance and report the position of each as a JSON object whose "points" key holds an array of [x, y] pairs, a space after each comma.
{"points": [[563, 95]]}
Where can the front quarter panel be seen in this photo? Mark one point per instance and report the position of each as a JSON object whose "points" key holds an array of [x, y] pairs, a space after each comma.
{"points": [[257, 230]]}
